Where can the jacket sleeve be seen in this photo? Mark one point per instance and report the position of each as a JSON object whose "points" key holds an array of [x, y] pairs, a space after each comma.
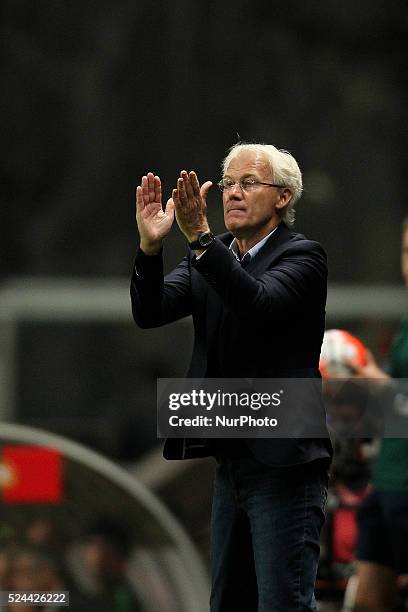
{"points": [[157, 300], [294, 282]]}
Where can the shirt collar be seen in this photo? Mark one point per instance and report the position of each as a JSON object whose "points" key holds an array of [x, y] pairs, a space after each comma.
{"points": [[252, 251]]}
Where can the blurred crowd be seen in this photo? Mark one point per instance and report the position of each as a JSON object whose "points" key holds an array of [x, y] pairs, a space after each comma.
{"points": [[93, 568]]}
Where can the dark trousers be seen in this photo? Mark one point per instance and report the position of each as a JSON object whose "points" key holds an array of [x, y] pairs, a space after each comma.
{"points": [[266, 524], [383, 529]]}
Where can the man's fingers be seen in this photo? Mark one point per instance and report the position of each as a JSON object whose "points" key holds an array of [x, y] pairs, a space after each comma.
{"points": [[151, 186], [191, 186], [187, 184], [175, 197], [194, 183], [145, 189], [182, 196], [139, 199], [157, 189], [195, 186]]}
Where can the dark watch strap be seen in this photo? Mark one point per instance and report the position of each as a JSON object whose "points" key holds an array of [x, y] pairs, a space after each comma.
{"points": [[203, 241]]}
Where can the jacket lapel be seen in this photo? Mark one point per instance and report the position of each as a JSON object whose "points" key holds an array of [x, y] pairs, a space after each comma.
{"points": [[272, 249]]}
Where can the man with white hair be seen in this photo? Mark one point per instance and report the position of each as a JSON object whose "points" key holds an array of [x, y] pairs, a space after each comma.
{"points": [[257, 296]]}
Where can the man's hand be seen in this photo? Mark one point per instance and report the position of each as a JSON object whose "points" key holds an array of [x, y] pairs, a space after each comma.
{"points": [[190, 204], [153, 222], [370, 369]]}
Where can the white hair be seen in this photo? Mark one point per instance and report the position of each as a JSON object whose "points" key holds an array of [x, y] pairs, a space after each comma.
{"points": [[284, 168]]}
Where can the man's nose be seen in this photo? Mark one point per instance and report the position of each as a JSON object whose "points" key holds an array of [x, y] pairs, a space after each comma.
{"points": [[235, 190]]}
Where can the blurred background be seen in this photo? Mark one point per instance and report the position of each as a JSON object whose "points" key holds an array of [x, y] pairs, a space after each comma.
{"points": [[94, 95]]}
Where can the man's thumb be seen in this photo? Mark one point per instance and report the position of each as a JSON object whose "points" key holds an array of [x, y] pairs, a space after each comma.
{"points": [[169, 210], [204, 189]]}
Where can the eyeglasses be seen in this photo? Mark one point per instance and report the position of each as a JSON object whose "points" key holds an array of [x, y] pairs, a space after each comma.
{"points": [[248, 184]]}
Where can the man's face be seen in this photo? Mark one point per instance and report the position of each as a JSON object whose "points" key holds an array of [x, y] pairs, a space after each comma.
{"points": [[404, 256], [248, 213]]}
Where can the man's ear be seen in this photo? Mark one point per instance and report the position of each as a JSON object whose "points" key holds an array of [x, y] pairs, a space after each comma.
{"points": [[284, 199]]}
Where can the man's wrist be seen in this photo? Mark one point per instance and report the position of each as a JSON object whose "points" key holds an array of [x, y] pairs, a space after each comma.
{"points": [[193, 234], [150, 249], [201, 241]]}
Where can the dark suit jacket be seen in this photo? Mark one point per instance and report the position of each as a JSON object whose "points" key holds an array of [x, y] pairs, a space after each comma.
{"points": [[264, 321]]}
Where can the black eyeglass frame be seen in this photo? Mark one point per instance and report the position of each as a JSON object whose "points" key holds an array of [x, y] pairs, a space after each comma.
{"points": [[255, 184]]}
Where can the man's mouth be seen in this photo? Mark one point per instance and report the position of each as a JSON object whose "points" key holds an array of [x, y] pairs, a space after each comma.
{"points": [[235, 209]]}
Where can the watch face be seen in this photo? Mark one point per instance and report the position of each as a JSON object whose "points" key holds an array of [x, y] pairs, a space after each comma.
{"points": [[205, 239]]}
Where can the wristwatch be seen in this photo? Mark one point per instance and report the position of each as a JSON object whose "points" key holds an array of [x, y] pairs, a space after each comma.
{"points": [[203, 241]]}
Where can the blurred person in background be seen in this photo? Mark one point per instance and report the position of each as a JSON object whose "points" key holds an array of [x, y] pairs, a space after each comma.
{"points": [[257, 296], [45, 531], [41, 532], [382, 549], [34, 569], [100, 571]]}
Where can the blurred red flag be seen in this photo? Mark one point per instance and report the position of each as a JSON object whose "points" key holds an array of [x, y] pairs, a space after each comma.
{"points": [[31, 474]]}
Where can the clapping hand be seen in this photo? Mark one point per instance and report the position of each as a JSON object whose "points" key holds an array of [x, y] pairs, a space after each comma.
{"points": [[153, 222], [189, 200]]}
